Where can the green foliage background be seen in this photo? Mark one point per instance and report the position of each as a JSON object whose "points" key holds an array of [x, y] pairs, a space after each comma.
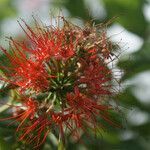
{"points": [[130, 16]]}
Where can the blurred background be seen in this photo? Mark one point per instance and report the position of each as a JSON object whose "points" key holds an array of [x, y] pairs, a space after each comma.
{"points": [[130, 28]]}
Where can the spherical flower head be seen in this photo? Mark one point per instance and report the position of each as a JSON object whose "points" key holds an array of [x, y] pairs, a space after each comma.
{"points": [[62, 77]]}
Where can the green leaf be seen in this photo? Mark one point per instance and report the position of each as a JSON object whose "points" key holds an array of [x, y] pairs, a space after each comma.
{"points": [[75, 7], [138, 62], [6, 9], [132, 144], [129, 13], [61, 146], [143, 130], [3, 145], [128, 100]]}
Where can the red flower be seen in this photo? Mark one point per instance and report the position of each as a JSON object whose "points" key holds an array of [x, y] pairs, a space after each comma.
{"points": [[26, 73], [24, 112], [64, 80], [32, 126], [96, 77], [35, 130], [46, 43], [86, 110]]}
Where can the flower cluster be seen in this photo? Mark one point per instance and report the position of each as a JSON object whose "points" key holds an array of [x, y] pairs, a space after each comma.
{"points": [[62, 79]]}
